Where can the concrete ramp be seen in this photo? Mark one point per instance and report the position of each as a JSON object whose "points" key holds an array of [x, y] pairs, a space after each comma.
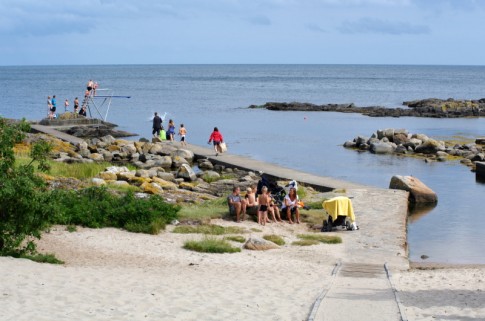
{"points": [[359, 292], [55, 133]]}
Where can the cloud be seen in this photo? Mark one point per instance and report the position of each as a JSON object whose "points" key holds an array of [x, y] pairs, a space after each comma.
{"points": [[315, 27], [371, 25], [260, 20]]}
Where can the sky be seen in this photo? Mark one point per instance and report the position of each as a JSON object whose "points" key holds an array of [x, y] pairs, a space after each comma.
{"points": [[59, 32]]}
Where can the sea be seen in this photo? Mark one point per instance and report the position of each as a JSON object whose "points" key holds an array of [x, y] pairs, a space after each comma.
{"points": [[204, 96]]}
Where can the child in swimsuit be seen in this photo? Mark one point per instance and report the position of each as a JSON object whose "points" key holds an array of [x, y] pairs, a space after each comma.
{"points": [[263, 201]]}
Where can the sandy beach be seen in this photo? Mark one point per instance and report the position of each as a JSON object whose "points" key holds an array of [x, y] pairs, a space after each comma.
{"points": [[111, 274]]}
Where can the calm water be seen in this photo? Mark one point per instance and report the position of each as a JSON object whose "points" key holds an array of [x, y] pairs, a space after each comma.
{"points": [[204, 96]]}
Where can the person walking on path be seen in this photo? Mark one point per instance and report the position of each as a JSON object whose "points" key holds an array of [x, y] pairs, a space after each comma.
{"points": [[157, 125], [217, 139], [182, 133]]}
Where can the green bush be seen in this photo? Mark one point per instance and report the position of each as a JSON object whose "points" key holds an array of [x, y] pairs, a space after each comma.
{"points": [[96, 207], [211, 245]]}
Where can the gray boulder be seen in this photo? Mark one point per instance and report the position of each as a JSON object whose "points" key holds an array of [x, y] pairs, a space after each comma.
{"points": [[186, 172], [381, 148], [259, 244], [418, 191], [184, 153]]}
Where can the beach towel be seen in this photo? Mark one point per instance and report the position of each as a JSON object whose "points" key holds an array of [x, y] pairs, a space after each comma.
{"points": [[339, 206]]}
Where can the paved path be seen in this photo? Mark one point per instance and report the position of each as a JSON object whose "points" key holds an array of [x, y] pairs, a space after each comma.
{"points": [[53, 132]]}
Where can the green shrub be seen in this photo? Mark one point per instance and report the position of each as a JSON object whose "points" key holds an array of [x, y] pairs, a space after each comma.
{"points": [[96, 207], [211, 245], [329, 239], [42, 258], [275, 239]]}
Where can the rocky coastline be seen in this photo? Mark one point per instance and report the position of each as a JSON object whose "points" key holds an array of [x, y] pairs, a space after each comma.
{"points": [[431, 107], [162, 168], [401, 142]]}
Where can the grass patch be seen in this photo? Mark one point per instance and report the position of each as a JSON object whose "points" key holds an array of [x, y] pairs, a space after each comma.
{"points": [[313, 216], [71, 228], [276, 239], [42, 258], [315, 205], [257, 230], [75, 170], [212, 209], [211, 245], [305, 242], [235, 238], [328, 239], [208, 229]]}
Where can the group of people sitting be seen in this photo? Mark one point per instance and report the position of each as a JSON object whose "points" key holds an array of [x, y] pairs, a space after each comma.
{"points": [[263, 203]]}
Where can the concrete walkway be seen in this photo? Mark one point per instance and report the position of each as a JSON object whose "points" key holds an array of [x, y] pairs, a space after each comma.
{"points": [[53, 132]]}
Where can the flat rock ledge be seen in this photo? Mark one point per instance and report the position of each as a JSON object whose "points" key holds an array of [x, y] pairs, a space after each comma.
{"points": [[430, 107]]}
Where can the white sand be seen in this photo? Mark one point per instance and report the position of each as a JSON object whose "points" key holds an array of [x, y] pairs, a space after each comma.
{"points": [[115, 275]]}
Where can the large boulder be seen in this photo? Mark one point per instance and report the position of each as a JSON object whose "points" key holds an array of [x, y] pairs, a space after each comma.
{"points": [[429, 146], [184, 153], [382, 148], [418, 191], [186, 172]]}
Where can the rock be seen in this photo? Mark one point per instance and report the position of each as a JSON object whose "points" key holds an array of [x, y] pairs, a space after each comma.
{"points": [[108, 157], [206, 164], [164, 184], [418, 191], [259, 244], [361, 140], [480, 141], [184, 153], [400, 139], [210, 175], [381, 148], [186, 172], [480, 157], [400, 150], [429, 146], [142, 173], [120, 183], [163, 161], [177, 161], [166, 176], [156, 149], [347, 144], [108, 139], [98, 181], [107, 176], [117, 169], [96, 157], [151, 188]]}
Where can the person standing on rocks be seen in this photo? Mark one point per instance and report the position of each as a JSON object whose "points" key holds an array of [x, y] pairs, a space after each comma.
{"points": [[157, 125], [217, 138], [66, 105], [182, 133], [76, 105]]}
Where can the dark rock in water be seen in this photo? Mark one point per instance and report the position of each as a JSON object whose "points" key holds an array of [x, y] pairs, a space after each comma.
{"points": [[424, 257], [431, 107]]}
